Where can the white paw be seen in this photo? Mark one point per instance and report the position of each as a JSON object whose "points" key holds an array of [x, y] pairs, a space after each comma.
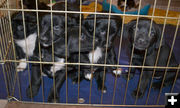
{"points": [[53, 70], [81, 100], [43, 74], [126, 71], [117, 71], [88, 76], [21, 66], [104, 91]]}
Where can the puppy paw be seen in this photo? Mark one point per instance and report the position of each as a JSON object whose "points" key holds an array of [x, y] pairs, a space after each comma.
{"points": [[134, 94], [53, 70], [88, 76], [117, 71], [22, 66], [104, 90], [34, 91], [43, 74]]}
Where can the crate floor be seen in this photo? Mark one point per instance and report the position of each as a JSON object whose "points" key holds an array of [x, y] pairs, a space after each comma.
{"points": [[84, 90]]}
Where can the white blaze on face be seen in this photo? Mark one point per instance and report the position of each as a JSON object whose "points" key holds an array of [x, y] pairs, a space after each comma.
{"points": [[29, 42]]}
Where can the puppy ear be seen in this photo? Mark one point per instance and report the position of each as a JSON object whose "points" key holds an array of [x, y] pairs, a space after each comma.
{"points": [[128, 33], [128, 28], [72, 21], [158, 36]]}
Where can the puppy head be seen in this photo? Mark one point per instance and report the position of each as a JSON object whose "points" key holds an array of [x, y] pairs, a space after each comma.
{"points": [[58, 27], [46, 37], [102, 28], [17, 24], [142, 40]]}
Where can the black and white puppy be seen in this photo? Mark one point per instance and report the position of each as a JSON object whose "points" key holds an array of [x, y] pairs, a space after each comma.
{"points": [[142, 41], [46, 38], [24, 46], [29, 45], [58, 70], [57, 38], [98, 55]]}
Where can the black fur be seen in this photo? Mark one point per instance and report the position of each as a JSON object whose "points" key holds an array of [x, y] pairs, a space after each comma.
{"points": [[58, 24], [31, 4], [141, 43], [59, 53], [129, 4], [100, 42]]}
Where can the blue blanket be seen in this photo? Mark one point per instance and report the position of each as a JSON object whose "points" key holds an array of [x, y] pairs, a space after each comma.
{"points": [[110, 79]]}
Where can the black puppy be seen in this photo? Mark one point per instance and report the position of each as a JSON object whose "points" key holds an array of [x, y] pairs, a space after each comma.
{"points": [[21, 43], [150, 43], [59, 56], [31, 4], [100, 46]]}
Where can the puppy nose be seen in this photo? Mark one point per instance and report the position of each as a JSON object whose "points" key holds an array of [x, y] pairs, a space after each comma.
{"points": [[43, 38], [141, 40]]}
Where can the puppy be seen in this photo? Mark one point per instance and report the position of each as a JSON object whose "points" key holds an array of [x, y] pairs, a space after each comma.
{"points": [[100, 47], [129, 5], [20, 42], [150, 43], [58, 23], [57, 38], [58, 70]]}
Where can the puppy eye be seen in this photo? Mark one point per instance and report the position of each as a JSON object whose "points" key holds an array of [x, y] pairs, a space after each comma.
{"points": [[20, 28], [152, 33], [56, 27], [134, 28], [103, 33], [83, 37], [90, 29]]}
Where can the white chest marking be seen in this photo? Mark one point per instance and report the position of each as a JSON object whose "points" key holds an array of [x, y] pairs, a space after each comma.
{"points": [[30, 42], [57, 67], [88, 76], [97, 55]]}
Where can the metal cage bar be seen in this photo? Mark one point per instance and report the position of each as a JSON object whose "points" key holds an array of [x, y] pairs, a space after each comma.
{"points": [[39, 47], [94, 36], [12, 40], [9, 46], [119, 52], [132, 53]]}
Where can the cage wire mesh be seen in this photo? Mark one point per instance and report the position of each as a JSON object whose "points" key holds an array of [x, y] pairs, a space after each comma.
{"points": [[13, 86]]}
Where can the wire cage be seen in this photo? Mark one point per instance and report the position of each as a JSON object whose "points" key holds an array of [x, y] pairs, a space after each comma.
{"points": [[14, 83]]}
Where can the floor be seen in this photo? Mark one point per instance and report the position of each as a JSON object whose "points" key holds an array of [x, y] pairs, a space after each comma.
{"points": [[30, 105], [3, 103]]}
